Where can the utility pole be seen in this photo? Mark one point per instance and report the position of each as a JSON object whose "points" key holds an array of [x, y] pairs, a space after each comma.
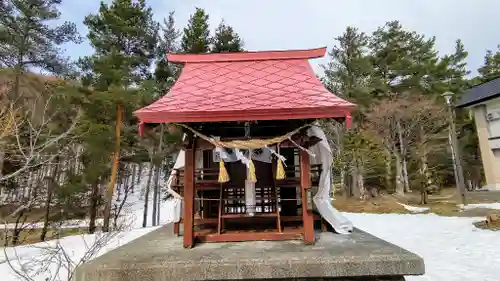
{"points": [[455, 150]]}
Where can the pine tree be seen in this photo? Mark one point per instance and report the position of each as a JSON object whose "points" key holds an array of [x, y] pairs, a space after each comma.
{"points": [[491, 68], [226, 39], [402, 59], [30, 38], [166, 73], [348, 74], [169, 42], [450, 74], [125, 37], [196, 37]]}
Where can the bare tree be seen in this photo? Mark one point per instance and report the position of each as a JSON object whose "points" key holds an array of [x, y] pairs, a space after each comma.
{"points": [[402, 122], [34, 132]]}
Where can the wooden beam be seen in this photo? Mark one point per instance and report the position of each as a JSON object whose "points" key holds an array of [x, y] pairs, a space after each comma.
{"points": [[188, 235], [305, 184]]}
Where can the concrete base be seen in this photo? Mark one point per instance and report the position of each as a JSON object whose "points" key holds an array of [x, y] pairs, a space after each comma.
{"points": [[159, 256]]}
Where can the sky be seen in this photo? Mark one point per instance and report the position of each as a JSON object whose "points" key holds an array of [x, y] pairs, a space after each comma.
{"points": [[303, 24]]}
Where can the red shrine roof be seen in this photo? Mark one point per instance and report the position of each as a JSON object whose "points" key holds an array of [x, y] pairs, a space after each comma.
{"points": [[270, 85]]}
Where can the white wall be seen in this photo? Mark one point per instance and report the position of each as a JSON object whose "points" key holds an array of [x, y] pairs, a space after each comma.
{"points": [[493, 125]]}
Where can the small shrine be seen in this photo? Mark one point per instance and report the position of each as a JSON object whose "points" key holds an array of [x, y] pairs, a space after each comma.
{"points": [[256, 164], [253, 176]]}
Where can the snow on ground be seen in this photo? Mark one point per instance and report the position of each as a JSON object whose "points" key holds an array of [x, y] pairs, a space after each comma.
{"points": [[452, 248], [51, 260], [494, 206], [414, 209], [72, 249]]}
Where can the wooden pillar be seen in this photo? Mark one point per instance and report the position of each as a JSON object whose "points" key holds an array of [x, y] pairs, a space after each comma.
{"points": [[305, 185], [188, 219]]}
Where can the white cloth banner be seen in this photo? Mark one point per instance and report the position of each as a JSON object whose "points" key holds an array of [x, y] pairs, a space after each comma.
{"points": [[322, 200], [232, 155], [226, 154]]}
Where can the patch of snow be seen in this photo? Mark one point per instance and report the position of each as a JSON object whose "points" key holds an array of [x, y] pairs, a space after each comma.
{"points": [[452, 248], [54, 259], [493, 206], [414, 209], [44, 261]]}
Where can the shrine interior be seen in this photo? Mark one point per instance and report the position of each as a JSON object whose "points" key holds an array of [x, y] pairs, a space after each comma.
{"points": [[222, 208]]}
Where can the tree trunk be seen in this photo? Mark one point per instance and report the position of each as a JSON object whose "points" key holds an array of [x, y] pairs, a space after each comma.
{"points": [[155, 195], [160, 198], [425, 176], [50, 191], [361, 182], [114, 169], [126, 191], [388, 170], [94, 205], [18, 228], [399, 174], [425, 179], [139, 173], [146, 195], [132, 184], [354, 182], [404, 161], [156, 190], [343, 186], [406, 181], [119, 187], [2, 159]]}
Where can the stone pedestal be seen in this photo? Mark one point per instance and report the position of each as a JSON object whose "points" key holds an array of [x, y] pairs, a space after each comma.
{"points": [[159, 256]]}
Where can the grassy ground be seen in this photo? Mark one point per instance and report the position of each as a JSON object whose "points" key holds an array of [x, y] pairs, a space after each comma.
{"points": [[389, 204], [383, 204], [34, 215]]}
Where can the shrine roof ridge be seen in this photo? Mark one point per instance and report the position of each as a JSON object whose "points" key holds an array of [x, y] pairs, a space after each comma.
{"points": [[247, 56]]}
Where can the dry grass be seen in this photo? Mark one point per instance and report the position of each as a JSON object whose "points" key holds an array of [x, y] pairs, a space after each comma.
{"points": [[34, 214], [444, 204], [443, 208], [381, 205], [31, 236]]}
